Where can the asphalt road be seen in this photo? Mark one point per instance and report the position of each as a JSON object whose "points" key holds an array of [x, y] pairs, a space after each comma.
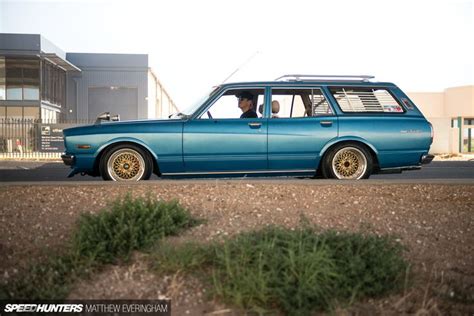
{"points": [[33, 172]]}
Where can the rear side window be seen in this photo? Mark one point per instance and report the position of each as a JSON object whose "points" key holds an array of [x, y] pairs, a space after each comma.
{"points": [[295, 103], [366, 100]]}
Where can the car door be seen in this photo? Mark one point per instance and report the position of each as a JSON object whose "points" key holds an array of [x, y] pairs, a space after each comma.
{"points": [[219, 141], [298, 131]]}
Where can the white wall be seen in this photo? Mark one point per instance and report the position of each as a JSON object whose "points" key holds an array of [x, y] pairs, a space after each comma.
{"points": [[439, 108], [442, 135], [151, 97]]}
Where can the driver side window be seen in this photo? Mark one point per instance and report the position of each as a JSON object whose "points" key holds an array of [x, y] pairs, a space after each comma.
{"points": [[230, 106]]}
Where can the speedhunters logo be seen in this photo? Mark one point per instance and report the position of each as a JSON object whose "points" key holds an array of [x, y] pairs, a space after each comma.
{"points": [[95, 307], [43, 308]]}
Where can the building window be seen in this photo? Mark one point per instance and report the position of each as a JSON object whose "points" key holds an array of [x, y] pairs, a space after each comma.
{"points": [[31, 113], [15, 112], [54, 84], [21, 79], [31, 80], [20, 112], [14, 81]]}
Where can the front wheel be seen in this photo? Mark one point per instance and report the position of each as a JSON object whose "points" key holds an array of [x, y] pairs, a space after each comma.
{"points": [[126, 163], [348, 162]]}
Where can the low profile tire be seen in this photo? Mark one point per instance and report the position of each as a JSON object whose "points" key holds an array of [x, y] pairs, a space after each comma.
{"points": [[348, 161], [126, 163]]}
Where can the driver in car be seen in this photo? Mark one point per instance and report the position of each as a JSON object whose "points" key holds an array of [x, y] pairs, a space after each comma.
{"points": [[246, 105]]}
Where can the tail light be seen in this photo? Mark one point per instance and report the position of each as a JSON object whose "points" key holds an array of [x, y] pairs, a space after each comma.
{"points": [[432, 132]]}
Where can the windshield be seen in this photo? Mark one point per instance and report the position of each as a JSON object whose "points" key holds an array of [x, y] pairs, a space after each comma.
{"points": [[195, 106]]}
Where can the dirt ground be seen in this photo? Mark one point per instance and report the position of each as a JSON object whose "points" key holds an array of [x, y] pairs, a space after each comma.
{"points": [[435, 223]]}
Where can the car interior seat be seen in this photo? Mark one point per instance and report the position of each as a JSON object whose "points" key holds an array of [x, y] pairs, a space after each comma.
{"points": [[260, 109], [275, 108]]}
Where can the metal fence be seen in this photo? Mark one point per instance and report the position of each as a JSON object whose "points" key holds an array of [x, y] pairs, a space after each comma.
{"points": [[27, 138]]}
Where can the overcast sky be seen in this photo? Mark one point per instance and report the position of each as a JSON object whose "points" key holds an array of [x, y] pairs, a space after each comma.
{"points": [[193, 45]]}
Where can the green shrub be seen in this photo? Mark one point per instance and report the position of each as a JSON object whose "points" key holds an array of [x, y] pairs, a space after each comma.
{"points": [[296, 272], [130, 224], [371, 265]]}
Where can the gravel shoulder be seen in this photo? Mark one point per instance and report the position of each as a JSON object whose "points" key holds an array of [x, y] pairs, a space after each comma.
{"points": [[435, 222]]}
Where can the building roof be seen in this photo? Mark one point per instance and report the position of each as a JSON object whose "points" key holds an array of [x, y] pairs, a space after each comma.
{"points": [[104, 61], [27, 45]]}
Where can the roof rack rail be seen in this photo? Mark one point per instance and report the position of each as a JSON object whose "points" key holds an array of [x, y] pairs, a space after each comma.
{"points": [[363, 78]]}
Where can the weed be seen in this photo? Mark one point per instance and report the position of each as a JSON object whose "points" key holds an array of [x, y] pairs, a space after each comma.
{"points": [[295, 272], [130, 224]]}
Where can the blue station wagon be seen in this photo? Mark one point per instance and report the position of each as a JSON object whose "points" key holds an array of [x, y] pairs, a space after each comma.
{"points": [[340, 127]]}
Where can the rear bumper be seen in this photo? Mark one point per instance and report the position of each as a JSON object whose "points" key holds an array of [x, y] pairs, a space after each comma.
{"points": [[68, 159], [426, 159]]}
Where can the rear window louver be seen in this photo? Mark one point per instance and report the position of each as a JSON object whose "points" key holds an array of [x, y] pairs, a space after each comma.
{"points": [[363, 100]]}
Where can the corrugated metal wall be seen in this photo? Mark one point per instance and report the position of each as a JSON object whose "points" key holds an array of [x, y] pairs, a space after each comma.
{"points": [[109, 79], [117, 100], [107, 71]]}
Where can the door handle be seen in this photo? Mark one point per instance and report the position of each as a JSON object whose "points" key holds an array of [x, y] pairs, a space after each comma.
{"points": [[255, 125], [326, 123]]}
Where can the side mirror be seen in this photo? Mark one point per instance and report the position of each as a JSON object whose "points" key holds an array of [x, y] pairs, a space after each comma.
{"points": [[107, 117], [102, 117]]}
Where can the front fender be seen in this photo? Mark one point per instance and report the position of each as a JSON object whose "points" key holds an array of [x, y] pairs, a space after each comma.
{"points": [[125, 140]]}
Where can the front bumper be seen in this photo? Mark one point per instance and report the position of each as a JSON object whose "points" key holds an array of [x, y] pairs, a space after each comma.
{"points": [[426, 159], [68, 159]]}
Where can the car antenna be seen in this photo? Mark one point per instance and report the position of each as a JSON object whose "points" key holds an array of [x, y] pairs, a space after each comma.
{"points": [[238, 68]]}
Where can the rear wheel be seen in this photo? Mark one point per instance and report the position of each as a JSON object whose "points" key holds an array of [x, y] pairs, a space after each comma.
{"points": [[126, 162], [348, 161]]}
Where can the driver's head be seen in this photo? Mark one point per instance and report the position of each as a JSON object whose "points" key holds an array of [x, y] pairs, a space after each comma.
{"points": [[245, 100]]}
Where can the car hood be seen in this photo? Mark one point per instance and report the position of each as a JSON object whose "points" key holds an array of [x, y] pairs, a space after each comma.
{"points": [[117, 127]]}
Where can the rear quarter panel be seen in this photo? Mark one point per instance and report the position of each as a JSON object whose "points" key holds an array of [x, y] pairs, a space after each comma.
{"points": [[398, 139]]}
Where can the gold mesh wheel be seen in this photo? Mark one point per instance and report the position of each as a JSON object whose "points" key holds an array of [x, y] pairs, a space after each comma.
{"points": [[126, 165], [349, 163]]}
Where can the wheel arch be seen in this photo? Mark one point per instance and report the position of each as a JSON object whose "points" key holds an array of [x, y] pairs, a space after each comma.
{"points": [[103, 149], [360, 141]]}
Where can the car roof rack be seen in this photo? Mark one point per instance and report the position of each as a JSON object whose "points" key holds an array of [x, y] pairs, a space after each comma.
{"points": [[362, 78]]}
